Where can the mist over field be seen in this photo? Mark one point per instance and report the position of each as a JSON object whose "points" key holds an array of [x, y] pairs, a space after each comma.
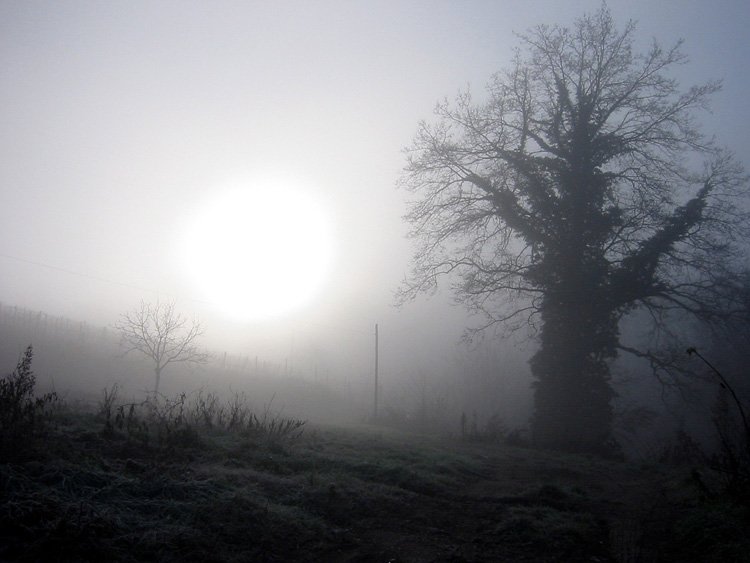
{"points": [[427, 280]]}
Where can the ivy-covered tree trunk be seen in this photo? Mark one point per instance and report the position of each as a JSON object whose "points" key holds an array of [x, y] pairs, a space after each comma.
{"points": [[572, 391]]}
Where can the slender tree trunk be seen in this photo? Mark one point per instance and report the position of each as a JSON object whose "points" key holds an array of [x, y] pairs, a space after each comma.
{"points": [[157, 372]]}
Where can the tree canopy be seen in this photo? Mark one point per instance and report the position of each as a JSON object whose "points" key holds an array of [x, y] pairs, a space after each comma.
{"points": [[578, 190]]}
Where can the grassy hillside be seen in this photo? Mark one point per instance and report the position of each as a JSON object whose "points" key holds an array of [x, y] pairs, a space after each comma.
{"points": [[199, 477], [132, 486]]}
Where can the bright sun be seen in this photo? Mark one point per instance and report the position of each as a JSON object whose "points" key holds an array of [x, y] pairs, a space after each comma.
{"points": [[259, 250]]}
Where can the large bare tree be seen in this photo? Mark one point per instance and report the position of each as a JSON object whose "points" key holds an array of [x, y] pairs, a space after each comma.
{"points": [[577, 192], [161, 334]]}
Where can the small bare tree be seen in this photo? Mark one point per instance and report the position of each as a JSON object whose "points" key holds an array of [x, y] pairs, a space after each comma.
{"points": [[160, 333]]}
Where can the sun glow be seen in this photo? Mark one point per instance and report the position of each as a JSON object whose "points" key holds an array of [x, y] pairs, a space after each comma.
{"points": [[259, 249]]}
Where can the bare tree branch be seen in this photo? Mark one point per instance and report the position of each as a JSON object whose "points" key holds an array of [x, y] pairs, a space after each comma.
{"points": [[161, 334], [566, 196]]}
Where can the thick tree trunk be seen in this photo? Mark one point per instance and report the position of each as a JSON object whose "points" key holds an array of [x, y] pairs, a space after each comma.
{"points": [[573, 395]]}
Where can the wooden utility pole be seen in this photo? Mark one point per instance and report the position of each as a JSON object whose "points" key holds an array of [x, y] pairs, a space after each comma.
{"points": [[375, 402]]}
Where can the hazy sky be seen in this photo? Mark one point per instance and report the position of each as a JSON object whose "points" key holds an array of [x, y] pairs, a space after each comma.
{"points": [[120, 121]]}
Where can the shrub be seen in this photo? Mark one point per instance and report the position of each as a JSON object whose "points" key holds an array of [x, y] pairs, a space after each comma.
{"points": [[23, 416], [732, 461]]}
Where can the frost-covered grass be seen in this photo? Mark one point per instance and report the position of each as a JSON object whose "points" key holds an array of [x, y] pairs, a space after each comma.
{"points": [[94, 490]]}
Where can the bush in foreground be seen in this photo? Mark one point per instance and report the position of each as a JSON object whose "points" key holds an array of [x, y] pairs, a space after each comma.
{"points": [[23, 416]]}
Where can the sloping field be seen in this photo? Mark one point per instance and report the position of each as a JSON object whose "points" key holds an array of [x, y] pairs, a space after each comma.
{"points": [[89, 493]]}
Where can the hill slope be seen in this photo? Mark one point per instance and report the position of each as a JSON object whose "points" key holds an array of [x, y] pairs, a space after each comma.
{"points": [[90, 491]]}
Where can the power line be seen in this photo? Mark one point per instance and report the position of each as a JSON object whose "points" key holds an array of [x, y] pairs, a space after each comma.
{"points": [[74, 273]]}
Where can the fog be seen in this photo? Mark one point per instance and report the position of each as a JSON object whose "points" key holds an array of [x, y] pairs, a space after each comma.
{"points": [[122, 121]]}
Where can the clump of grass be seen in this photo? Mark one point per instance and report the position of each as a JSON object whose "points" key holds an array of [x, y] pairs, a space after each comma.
{"points": [[23, 416], [713, 531], [123, 419], [274, 428], [176, 421], [494, 431], [107, 406], [543, 529]]}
